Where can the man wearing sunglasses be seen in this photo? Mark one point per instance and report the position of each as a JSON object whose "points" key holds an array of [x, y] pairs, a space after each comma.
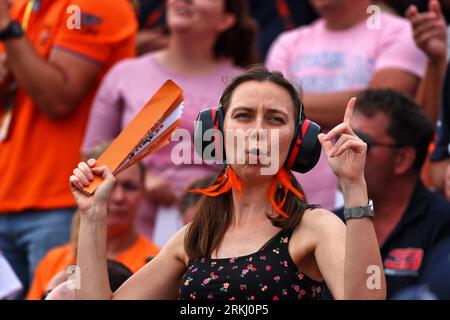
{"points": [[410, 219]]}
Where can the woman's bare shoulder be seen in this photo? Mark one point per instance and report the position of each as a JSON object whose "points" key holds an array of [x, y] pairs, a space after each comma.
{"points": [[317, 222], [318, 217]]}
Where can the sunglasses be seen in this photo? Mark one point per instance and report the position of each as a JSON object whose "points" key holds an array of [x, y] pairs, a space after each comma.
{"points": [[371, 143]]}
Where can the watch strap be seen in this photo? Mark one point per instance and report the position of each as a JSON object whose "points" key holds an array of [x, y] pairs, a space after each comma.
{"points": [[359, 212]]}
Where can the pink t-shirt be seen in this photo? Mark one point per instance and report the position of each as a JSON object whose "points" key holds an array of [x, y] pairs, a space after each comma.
{"points": [[320, 61], [127, 88]]}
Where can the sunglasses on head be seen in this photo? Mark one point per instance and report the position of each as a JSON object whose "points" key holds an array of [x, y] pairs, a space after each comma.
{"points": [[371, 143]]}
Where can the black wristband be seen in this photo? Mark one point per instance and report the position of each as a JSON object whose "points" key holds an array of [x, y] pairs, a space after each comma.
{"points": [[13, 31]]}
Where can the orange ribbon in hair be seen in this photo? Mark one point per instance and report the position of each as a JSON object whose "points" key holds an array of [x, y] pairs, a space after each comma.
{"points": [[230, 180], [284, 178], [225, 182]]}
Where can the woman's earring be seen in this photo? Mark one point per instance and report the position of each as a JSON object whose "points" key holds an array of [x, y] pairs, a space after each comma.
{"points": [[226, 169]]}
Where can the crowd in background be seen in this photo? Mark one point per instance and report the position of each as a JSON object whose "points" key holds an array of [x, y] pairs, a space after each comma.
{"points": [[66, 93]]}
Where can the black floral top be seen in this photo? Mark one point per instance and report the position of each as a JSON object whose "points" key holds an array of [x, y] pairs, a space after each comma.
{"points": [[268, 274]]}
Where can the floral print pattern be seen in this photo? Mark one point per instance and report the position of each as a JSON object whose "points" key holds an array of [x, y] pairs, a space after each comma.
{"points": [[268, 274]]}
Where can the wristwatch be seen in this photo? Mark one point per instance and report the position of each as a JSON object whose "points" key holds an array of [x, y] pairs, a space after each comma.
{"points": [[13, 31], [359, 212]]}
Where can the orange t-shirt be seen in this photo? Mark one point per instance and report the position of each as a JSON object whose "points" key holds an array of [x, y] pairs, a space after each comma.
{"points": [[39, 155], [58, 259]]}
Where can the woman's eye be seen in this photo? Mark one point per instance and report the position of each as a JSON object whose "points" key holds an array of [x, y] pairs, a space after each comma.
{"points": [[242, 116], [277, 120]]}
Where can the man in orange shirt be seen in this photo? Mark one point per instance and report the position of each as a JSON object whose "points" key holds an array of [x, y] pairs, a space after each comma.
{"points": [[56, 52], [124, 244]]}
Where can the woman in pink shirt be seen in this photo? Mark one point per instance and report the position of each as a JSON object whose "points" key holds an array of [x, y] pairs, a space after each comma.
{"points": [[210, 42]]}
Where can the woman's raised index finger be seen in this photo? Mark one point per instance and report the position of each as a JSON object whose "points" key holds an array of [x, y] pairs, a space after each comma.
{"points": [[349, 111]]}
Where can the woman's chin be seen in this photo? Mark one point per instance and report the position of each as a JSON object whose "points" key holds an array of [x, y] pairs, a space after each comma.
{"points": [[251, 172]]}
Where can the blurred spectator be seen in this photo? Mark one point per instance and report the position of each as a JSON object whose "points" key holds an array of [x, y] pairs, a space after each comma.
{"points": [[53, 74], [117, 274], [206, 46], [189, 199], [437, 271], [272, 16], [410, 221], [440, 159], [401, 6], [435, 90], [125, 244], [276, 16], [430, 35], [337, 57], [435, 284]]}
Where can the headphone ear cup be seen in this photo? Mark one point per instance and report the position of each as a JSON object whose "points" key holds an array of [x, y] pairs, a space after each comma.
{"points": [[305, 154], [208, 119], [203, 123]]}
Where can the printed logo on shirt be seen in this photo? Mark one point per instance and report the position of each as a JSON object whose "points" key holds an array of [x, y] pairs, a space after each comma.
{"points": [[90, 23], [331, 71], [403, 262]]}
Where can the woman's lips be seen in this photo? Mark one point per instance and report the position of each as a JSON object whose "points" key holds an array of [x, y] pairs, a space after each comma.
{"points": [[257, 154]]}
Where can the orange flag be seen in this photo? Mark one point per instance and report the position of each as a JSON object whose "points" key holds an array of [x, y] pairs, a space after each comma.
{"points": [[149, 131]]}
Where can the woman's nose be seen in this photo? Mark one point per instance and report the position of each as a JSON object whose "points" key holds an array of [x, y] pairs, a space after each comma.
{"points": [[258, 132], [258, 124]]}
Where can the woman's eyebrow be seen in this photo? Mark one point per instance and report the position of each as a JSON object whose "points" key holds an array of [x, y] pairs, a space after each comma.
{"points": [[268, 110], [278, 111], [242, 108]]}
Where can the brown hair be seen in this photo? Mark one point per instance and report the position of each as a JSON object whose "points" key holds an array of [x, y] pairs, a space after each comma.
{"points": [[214, 214], [190, 199], [239, 42]]}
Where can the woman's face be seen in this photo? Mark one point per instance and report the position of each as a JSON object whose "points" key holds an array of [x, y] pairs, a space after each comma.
{"points": [[261, 114], [199, 17]]}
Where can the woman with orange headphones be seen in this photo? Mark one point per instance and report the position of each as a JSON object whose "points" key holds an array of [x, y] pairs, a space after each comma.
{"points": [[253, 236]]}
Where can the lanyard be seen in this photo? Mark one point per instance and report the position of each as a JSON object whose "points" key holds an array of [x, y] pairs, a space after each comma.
{"points": [[27, 14]]}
